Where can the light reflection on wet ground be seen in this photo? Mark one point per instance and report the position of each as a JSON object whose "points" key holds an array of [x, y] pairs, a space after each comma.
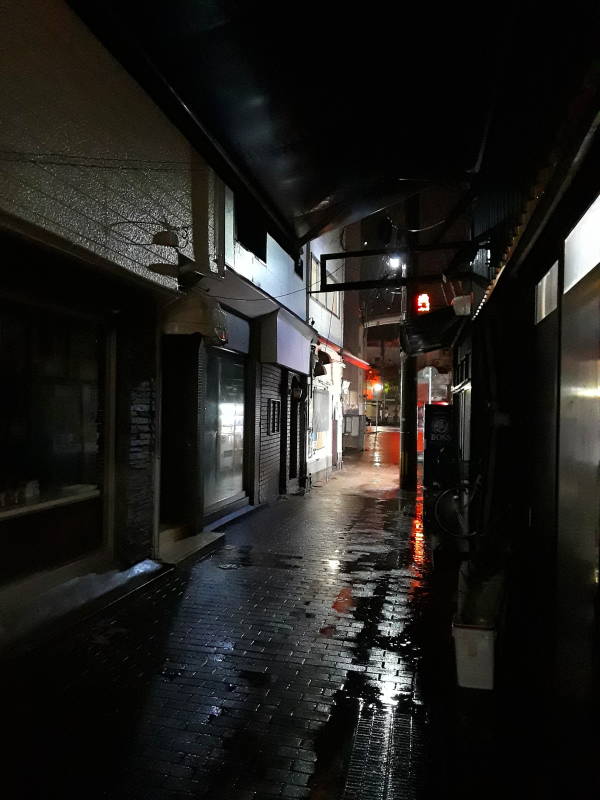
{"points": [[288, 664], [373, 743], [382, 446]]}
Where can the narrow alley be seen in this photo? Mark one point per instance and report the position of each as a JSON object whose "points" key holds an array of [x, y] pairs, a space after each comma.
{"points": [[300, 408], [287, 664]]}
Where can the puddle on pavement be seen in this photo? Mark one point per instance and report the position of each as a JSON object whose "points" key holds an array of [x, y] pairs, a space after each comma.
{"points": [[245, 556]]}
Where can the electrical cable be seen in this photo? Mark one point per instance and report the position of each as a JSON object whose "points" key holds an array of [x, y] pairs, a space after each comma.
{"points": [[426, 228], [274, 297]]}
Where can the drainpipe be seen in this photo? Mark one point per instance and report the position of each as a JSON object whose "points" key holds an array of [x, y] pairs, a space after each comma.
{"points": [[408, 423]]}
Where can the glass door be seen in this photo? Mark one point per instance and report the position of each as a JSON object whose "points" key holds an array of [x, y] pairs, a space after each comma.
{"points": [[224, 430]]}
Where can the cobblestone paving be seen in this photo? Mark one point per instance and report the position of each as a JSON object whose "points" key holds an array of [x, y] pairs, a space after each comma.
{"points": [[285, 665]]}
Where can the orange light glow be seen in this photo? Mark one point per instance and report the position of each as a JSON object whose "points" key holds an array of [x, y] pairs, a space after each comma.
{"points": [[417, 538], [373, 385], [343, 603], [417, 541]]}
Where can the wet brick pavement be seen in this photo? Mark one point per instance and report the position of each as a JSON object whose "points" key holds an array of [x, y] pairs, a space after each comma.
{"points": [[288, 664]]}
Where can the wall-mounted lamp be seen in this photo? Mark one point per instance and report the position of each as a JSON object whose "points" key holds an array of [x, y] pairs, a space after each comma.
{"points": [[185, 271], [170, 270], [462, 305]]}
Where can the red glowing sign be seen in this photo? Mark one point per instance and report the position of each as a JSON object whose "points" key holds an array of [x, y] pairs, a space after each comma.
{"points": [[422, 303]]}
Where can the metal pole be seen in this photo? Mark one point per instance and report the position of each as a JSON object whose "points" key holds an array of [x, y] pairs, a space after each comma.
{"points": [[408, 423], [408, 377]]}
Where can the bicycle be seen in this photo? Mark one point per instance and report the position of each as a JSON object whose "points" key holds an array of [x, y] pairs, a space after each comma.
{"points": [[452, 508]]}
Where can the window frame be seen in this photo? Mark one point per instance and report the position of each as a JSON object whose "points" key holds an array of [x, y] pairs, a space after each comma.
{"points": [[335, 308]]}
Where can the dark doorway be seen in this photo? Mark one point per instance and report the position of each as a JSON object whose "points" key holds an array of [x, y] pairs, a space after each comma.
{"points": [[179, 430], [296, 393], [334, 439]]}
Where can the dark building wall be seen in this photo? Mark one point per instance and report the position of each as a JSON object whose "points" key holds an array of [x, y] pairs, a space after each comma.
{"points": [[135, 436], [353, 330], [354, 333], [579, 490], [543, 450], [543, 381]]}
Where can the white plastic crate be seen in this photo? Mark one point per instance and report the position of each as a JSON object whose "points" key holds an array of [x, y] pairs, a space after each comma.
{"points": [[474, 648]]}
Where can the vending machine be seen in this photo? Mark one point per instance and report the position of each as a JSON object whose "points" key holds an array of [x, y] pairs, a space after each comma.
{"points": [[439, 457]]}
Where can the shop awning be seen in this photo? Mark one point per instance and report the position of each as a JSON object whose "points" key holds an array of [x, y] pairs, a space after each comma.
{"points": [[335, 347], [357, 362], [286, 340]]}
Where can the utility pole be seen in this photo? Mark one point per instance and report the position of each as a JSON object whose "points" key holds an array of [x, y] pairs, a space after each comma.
{"points": [[408, 376]]}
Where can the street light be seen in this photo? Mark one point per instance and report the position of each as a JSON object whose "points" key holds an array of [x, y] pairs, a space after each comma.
{"points": [[377, 387]]}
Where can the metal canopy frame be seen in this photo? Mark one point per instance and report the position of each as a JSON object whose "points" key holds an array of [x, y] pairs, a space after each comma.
{"points": [[377, 283]]}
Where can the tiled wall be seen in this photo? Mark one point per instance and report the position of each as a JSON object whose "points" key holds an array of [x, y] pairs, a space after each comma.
{"points": [[85, 154]]}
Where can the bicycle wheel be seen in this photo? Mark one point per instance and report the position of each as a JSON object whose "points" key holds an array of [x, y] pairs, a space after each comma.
{"points": [[447, 513]]}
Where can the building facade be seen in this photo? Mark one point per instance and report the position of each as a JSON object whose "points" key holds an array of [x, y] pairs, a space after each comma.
{"points": [[326, 314], [153, 334]]}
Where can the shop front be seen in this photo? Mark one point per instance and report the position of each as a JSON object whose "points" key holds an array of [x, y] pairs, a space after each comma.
{"points": [[226, 419], [52, 437], [325, 433], [205, 388], [77, 423]]}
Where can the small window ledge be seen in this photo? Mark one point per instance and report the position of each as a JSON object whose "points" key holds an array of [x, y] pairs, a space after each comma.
{"points": [[43, 505]]}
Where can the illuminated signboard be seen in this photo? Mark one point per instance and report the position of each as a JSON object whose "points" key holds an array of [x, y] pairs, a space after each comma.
{"points": [[422, 303]]}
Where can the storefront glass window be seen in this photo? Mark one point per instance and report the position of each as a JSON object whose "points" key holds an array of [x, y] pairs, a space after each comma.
{"points": [[224, 430], [321, 418], [49, 407]]}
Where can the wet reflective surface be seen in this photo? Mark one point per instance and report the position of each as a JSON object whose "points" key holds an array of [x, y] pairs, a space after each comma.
{"points": [[382, 445], [297, 661]]}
